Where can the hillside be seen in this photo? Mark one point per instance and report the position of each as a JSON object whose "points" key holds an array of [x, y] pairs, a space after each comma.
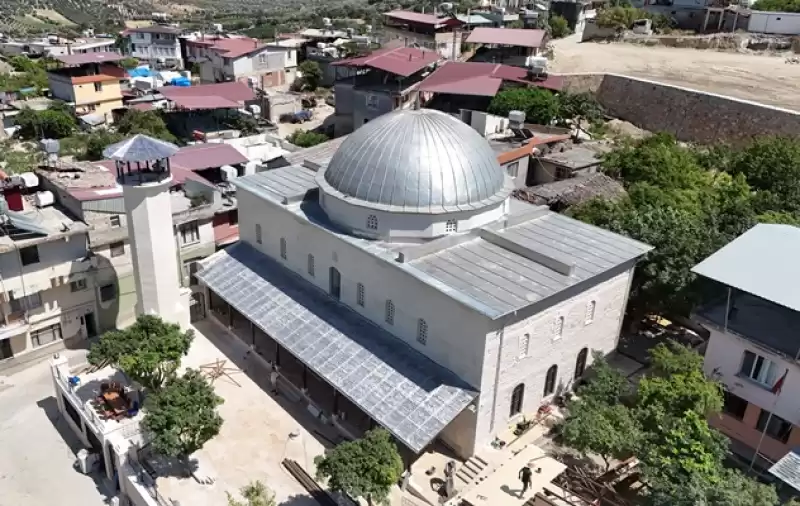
{"points": [[42, 16]]}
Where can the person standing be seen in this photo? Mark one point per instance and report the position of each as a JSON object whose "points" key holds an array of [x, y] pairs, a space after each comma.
{"points": [[525, 477], [273, 379]]}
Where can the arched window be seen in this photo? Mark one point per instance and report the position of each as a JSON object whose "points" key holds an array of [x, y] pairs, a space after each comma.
{"points": [[590, 308], [422, 331], [550, 381], [580, 363], [451, 226], [524, 344], [517, 396], [372, 222], [558, 329], [390, 312], [311, 265], [258, 233], [283, 248]]}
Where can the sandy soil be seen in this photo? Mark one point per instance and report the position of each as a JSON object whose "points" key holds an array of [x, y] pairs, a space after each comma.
{"points": [[765, 79]]}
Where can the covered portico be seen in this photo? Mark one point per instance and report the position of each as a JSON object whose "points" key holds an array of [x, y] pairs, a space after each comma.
{"points": [[345, 364]]}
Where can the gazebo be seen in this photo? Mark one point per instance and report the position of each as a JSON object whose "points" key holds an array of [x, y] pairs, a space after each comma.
{"points": [[141, 159]]}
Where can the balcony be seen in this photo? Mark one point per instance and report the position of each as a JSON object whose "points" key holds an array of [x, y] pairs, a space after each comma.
{"points": [[16, 324]]}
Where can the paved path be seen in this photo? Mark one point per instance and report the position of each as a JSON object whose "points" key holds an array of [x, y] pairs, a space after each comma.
{"points": [[37, 450]]}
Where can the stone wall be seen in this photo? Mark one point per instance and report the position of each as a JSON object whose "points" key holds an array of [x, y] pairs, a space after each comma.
{"points": [[690, 115]]}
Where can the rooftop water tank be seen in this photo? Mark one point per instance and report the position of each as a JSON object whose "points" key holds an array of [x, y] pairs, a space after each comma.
{"points": [[228, 173], [516, 119], [43, 199]]}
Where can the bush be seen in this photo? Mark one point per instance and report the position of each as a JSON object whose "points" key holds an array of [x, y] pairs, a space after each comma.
{"points": [[306, 138], [540, 105], [559, 28], [49, 124], [311, 75]]}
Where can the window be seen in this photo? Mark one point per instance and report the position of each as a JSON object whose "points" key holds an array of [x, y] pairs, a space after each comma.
{"points": [[451, 226], [190, 233], [283, 248], [26, 303], [734, 405], [117, 249], [29, 255], [558, 329], [335, 282], [580, 363], [77, 285], [190, 272], [115, 221], [422, 331], [311, 264], [524, 343], [390, 312], [46, 335], [258, 233], [590, 307], [233, 217], [372, 102], [776, 427], [360, 294], [759, 369], [513, 169], [372, 222], [517, 396], [98, 87], [107, 293], [550, 381]]}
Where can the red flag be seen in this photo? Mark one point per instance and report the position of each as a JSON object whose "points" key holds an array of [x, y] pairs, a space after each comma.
{"points": [[778, 386]]}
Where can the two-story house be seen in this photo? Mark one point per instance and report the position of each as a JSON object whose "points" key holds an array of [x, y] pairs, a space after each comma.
{"points": [[400, 286], [425, 31], [754, 341], [158, 45], [47, 293], [90, 82], [240, 59]]}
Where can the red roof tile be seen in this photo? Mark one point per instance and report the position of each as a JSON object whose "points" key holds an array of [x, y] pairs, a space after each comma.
{"points": [[402, 61], [234, 48], [521, 37], [480, 79], [423, 19], [84, 58]]}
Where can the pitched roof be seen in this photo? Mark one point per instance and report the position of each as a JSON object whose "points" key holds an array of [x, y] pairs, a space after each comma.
{"points": [[522, 37], [206, 156], [236, 47], [402, 61], [155, 29], [759, 262], [572, 191], [482, 79], [209, 96], [84, 58], [421, 18]]}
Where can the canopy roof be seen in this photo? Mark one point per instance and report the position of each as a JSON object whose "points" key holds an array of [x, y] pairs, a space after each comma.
{"points": [[140, 148]]}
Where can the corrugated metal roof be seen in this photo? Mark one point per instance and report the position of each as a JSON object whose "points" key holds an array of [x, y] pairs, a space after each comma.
{"points": [[287, 184], [421, 18], [207, 155], [316, 156], [209, 96], [481, 79], [762, 261], [521, 37], [140, 148], [787, 469], [406, 392], [84, 58], [505, 281], [401, 61]]}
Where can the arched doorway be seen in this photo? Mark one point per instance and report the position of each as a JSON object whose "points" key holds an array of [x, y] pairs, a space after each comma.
{"points": [[580, 363], [517, 396], [550, 381], [335, 283]]}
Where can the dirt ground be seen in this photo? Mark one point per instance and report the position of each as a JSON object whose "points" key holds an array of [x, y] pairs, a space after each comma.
{"points": [[760, 78]]}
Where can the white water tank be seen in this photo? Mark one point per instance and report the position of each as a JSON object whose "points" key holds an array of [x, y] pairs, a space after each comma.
{"points": [[26, 179], [516, 119], [43, 199], [228, 173]]}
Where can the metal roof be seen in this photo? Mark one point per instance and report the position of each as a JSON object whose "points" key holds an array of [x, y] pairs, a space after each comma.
{"points": [[416, 161], [315, 156], [140, 148], [521, 37], [481, 79], [287, 184], [84, 58], [512, 268], [401, 61], [762, 261], [410, 395], [209, 96], [422, 18], [207, 156], [787, 469]]}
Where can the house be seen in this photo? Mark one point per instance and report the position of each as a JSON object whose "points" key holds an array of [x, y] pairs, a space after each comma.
{"points": [[48, 291], [565, 161], [753, 349], [400, 285], [158, 45], [576, 12], [90, 82], [561, 195], [511, 46], [53, 46], [424, 31], [240, 59], [380, 82]]}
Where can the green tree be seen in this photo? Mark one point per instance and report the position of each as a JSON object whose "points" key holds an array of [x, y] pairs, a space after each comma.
{"points": [[736, 489], [311, 75], [559, 28], [778, 5], [129, 63], [306, 138], [254, 494], [97, 141], [47, 124], [579, 107], [771, 165], [182, 416], [366, 468], [149, 351], [539, 105], [145, 122], [609, 431]]}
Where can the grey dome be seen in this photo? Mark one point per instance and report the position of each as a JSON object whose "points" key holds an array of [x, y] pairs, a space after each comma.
{"points": [[422, 161]]}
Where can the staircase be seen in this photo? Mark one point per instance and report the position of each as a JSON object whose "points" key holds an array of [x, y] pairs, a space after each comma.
{"points": [[470, 471]]}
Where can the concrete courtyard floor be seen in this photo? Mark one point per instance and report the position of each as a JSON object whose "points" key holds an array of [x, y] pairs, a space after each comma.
{"points": [[37, 448]]}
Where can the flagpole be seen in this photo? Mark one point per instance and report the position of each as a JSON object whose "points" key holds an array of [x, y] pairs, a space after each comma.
{"points": [[777, 389]]}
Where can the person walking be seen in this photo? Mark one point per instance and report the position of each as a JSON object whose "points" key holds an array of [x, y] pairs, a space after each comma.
{"points": [[273, 379], [525, 477]]}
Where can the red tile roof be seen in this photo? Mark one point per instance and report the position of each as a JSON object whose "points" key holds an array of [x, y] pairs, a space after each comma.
{"points": [[209, 96], [234, 48], [423, 19], [402, 61], [521, 37], [480, 79], [84, 58]]}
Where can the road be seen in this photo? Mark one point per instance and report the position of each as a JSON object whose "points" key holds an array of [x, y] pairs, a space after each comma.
{"points": [[761, 78], [37, 450]]}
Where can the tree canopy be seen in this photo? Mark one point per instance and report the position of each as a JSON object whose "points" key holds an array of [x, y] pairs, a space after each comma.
{"points": [[182, 416], [778, 5], [366, 467], [311, 75], [149, 351], [144, 122], [54, 123], [539, 105], [254, 494], [559, 28], [306, 138]]}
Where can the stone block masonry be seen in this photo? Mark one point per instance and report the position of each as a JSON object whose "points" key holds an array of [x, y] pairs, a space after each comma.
{"points": [[690, 115]]}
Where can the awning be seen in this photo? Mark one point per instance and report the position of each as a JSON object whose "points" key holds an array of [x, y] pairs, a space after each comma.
{"points": [[788, 469], [406, 392]]}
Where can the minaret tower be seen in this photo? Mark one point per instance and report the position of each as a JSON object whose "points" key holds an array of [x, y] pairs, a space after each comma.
{"points": [[143, 171]]}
